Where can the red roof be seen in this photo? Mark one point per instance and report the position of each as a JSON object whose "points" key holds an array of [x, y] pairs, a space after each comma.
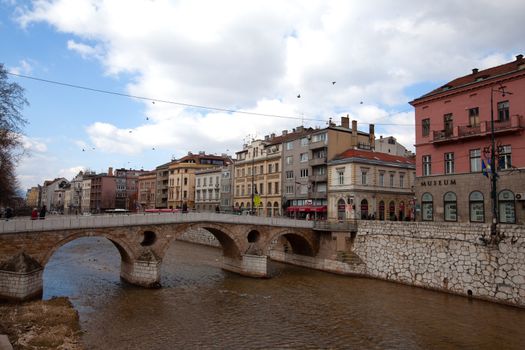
{"points": [[480, 76], [377, 156]]}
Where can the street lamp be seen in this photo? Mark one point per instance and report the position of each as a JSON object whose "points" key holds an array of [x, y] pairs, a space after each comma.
{"points": [[493, 167]]}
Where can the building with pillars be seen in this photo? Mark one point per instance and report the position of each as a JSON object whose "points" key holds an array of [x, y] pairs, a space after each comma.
{"points": [[472, 123], [181, 178], [365, 184]]}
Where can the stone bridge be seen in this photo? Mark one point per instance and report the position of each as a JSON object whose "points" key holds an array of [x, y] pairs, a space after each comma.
{"points": [[142, 240]]}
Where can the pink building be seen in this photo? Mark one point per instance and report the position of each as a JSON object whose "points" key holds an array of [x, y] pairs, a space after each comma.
{"points": [[454, 147]]}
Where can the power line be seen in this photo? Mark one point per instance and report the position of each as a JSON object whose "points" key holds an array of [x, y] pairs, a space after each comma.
{"points": [[154, 100]]}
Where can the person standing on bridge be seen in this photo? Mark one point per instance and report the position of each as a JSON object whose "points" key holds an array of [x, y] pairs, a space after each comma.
{"points": [[34, 214], [43, 212]]}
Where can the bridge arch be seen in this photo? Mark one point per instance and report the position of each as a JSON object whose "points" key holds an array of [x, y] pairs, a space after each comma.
{"points": [[126, 253], [301, 242]]}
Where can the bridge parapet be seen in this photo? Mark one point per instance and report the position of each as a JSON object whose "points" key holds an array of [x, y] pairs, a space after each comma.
{"points": [[95, 221]]}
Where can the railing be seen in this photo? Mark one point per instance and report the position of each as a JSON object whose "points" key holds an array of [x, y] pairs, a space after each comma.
{"points": [[64, 222], [346, 225], [317, 161]]}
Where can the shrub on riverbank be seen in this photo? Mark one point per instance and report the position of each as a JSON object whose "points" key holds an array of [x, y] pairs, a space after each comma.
{"points": [[49, 324]]}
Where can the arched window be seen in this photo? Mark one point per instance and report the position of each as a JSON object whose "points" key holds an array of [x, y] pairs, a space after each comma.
{"points": [[451, 207], [341, 209], [401, 211], [364, 209], [427, 207], [476, 207], [507, 210], [392, 210], [268, 209], [275, 209], [381, 210]]}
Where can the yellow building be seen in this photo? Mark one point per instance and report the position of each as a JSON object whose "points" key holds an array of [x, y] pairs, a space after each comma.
{"points": [[181, 179]]}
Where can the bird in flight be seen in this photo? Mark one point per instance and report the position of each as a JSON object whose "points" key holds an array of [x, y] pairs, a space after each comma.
{"points": [[299, 96], [333, 82]]}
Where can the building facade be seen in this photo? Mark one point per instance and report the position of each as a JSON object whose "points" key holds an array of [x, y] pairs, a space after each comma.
{"points": [[370, 185], [146, 190], [208, 189], [305, 165], [226, 188], [162, 188], [181, 180], [466, 131]]}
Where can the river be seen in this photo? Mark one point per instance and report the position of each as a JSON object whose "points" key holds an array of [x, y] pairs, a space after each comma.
{"points": [[202, 306]]}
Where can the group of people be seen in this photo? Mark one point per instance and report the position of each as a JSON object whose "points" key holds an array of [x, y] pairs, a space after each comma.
{"points": [[35, 214]]}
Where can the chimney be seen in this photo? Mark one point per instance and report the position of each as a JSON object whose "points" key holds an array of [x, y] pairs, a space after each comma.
{"points": [[285, 132], [266, 137], [353, 141], [300, 128], [272, 135], [345, 122], [519, 57], [372, 137], [474, 70], [110, 171]]}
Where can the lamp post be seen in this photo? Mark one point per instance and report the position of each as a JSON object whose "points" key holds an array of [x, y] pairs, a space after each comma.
{"points": [[493, 167], [253, 180]]}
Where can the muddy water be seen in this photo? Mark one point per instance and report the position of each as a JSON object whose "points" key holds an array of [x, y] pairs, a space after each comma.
{"points": [[201, 306]]}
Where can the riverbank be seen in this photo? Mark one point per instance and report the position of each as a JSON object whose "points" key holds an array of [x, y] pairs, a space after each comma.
{"points": [[42, 324]]}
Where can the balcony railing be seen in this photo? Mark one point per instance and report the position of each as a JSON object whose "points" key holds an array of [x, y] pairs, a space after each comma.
{"points": [[319, 178], [317, 161], [514, 124]]}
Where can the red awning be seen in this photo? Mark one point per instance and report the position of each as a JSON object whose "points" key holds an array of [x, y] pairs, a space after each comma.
{"points": [[308, 208]]}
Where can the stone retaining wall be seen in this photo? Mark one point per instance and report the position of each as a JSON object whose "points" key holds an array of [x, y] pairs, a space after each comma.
{"points": [[451, 257], [200, 236]]}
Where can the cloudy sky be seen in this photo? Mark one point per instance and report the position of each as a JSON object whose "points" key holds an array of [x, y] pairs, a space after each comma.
{"points": [[176, 57]]}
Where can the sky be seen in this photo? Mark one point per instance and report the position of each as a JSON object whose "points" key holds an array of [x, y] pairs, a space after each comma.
{"points": [[136, 83]]}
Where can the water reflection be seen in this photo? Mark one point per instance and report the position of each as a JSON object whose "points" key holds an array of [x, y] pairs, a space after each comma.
{"points": [[202, 306]]}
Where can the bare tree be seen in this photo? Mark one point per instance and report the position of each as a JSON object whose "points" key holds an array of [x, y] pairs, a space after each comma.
{"points": [[12, 101]]}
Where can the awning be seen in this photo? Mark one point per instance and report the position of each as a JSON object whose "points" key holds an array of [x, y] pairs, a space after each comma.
{"points": [[308, 208]]}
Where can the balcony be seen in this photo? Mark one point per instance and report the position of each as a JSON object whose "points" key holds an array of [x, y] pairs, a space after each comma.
{"points": [[514, 124], [319, 178], [318, 144], [317, 161]]}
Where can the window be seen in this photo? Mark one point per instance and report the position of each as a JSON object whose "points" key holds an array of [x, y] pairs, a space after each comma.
{"points": [[270, 168], [289, 189], [475, 160], [289, 145], [504, 158], [507, 212], [448, 124], [261, 169], [319, 137], [289, 160], [198, 182], [449, 163], [304, 141], [392, 180], [261, 189], [473, 116], [289, 174], [450, 205], [321, 187], [363, 177], [425, 127], [303, 157], [427, 165], [320, 170], [341, 176], [185, 181], [276, 188], [304, 173], [503, 111], [381, 178], [476, 207], [427, 212], [303, 189], [269, 188], [401, 180]]}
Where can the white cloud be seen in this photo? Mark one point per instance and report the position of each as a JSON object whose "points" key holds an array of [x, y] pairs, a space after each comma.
{"points": [[24, 67], [258, 56], [33, 145]]}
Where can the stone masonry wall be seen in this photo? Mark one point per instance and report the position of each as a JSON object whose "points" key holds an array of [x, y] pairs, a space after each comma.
{"points": [[446, 256], [21, 285], [199, 236]]}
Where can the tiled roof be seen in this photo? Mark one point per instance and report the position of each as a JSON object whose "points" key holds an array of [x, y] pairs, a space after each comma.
{"points": [[374, 156], [480, 76], [290, 136]]}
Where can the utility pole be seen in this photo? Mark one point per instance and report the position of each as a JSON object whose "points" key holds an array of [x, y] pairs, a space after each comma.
{"points": [[493, 166]]}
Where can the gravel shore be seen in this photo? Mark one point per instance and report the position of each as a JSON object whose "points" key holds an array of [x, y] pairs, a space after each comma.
{"points": [[42, 324]]}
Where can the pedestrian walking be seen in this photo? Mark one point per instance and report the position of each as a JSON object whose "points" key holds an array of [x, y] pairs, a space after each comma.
{"points": [[8, 213], [34, 214], [43, 212]]}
